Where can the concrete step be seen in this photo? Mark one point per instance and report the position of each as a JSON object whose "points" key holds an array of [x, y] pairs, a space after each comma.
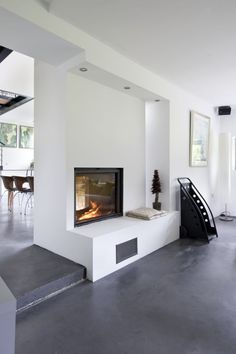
{"points": [[35, 274], [48, 290]]}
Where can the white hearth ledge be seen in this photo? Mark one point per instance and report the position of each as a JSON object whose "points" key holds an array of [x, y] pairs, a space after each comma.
{"points": [[102, 237]]}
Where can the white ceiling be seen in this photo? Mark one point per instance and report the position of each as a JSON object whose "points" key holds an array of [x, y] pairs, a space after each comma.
{"points": [[17, 75], [190, 43], [19, 35], [103, 77]]}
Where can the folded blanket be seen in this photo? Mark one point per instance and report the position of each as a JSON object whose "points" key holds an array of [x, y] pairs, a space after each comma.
{"points": [[146, 213]]}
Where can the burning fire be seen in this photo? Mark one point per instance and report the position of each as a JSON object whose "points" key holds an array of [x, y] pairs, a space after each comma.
{"points": [[93, 212]]}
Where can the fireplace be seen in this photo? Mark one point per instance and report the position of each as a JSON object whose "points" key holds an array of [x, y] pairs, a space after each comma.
{"points": [[98, 194]]}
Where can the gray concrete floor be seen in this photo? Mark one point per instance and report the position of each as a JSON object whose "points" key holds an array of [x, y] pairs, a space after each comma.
{"points": [[178, 300], [16, 231]]}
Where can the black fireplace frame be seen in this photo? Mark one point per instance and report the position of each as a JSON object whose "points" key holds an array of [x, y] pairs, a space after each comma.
{"points": [[119, 191]]}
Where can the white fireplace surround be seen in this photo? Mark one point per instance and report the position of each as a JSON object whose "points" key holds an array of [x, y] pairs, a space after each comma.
{"points": [[99, 240]]}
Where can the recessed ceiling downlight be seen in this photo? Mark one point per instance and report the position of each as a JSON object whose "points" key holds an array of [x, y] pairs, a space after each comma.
{"points": [[83, 70], [127, 87]]}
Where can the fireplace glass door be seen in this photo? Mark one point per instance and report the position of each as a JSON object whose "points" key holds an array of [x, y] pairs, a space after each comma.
{"points": [[98, 194]]}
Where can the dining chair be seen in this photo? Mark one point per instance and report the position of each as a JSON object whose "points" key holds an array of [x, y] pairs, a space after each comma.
{"points": [[21, 189], [8, 183], [30, 180]]}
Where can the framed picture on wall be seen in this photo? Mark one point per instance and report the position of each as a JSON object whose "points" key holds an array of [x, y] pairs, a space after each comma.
{"points": [[199, 139], [8, 134], [26, 140]]}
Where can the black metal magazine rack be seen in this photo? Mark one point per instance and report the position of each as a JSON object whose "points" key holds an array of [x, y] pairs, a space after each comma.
{"points": [[197, 220]]}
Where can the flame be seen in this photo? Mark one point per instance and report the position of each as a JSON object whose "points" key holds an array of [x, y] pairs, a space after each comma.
{"points": [[93, 212]]}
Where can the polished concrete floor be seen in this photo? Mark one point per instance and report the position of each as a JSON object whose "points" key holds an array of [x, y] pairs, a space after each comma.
{"points": [[16, 230], [178, 300]]}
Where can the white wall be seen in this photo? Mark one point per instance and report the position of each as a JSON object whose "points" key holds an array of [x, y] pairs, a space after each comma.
{"points": [[50, 167], [157, 150], [205, 178], [105, 128], [167, 149], [228, 125], [17, 159], [50, 158], [17, 75]]}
